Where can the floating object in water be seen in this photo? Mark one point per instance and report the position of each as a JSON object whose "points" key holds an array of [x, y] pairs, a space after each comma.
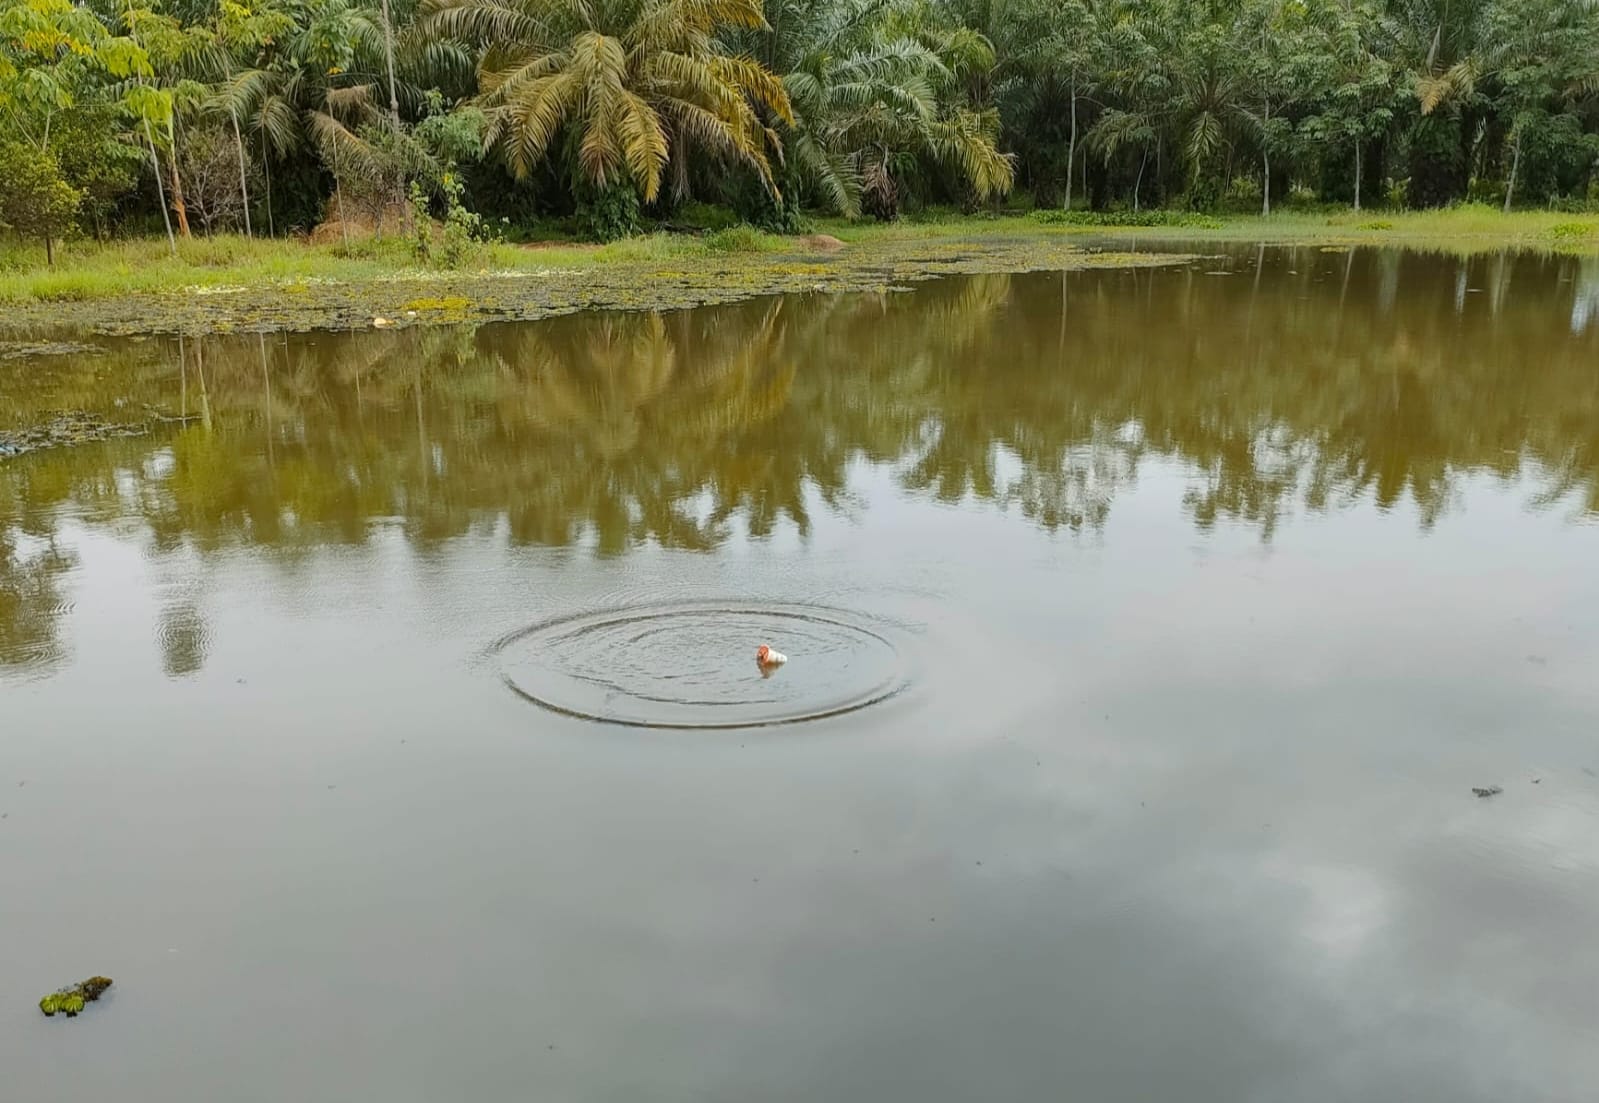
{"points": [[767, 657], [70, 1001], [1491, 791], [382, 323]]}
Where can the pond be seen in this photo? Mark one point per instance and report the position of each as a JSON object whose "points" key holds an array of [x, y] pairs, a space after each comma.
{"points": [[381, 710]]}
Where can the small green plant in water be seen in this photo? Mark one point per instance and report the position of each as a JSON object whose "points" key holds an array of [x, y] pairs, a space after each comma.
{"points": [[463, 229], [421, 224], [1570, 233], [71, 1001]]}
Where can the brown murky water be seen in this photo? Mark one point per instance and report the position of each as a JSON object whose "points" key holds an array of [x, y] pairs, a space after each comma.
{"points": [[388, 723]]}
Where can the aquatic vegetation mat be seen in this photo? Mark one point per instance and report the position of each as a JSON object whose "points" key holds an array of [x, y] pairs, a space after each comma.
{"points": [[70, 427], [72, 1000], [421, 298]]}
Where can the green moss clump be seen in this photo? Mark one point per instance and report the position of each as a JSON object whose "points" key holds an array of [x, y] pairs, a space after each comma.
{"points": [[450, 303], [71, 1001]]}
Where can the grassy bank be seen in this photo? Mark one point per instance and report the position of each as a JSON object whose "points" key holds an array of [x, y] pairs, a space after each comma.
{"points": [[88, 270], [263, 286], [237, 283], [1463, 230]]}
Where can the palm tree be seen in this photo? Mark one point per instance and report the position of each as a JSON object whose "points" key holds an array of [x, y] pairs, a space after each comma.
{"points": [[635, 84], [866, 97], [1439, 42]]}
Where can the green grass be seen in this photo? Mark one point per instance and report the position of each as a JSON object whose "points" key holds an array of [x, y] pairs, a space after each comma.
{"points": [[1468, 228], [89, 271]]}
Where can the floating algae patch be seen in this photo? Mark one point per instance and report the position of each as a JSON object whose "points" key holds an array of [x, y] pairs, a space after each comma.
{"points": [[547, 292], [23, 350], [448, 304], [71, 427], [71, 1001]]}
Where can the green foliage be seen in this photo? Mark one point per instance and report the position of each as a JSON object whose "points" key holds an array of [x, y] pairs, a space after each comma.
{"points": [[421, 223], [71, 1001], [34, 199], [293, 113], [636, 84], [463, 229], [740, 239], [1571, 233], [608, 214]]}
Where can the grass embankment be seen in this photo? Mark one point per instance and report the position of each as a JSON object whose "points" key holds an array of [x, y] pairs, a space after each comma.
{"points": [[1462, 230], [137, 288], [88, 270], [237, 283]]}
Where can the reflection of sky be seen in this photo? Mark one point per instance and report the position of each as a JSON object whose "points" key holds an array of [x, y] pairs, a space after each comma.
{"points": [[1165, 816], [1170, 811], [1585, 300]]}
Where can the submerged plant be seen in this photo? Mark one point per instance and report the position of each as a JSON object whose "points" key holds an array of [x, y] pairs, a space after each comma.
{"points": [[70, 1001]]}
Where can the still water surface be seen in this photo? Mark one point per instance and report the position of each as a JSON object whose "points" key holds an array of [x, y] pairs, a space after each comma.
{"points": [[1148, 631]]}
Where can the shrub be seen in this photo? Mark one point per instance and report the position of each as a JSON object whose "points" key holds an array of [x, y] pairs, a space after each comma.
{"points": [[738, 239], [608, 214]]}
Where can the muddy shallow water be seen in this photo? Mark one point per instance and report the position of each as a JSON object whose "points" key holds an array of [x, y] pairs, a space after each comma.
{"points": [[384, 718]]}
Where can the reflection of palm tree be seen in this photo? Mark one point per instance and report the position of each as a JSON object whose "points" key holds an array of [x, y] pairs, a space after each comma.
{"points": [[683, 428], [31, 604], [184, 640]]}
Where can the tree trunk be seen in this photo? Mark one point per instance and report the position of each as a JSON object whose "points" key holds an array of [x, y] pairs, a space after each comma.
{"points": [[244, 188], [388, 49], [1515, 166], [1139, 182], [155, 163], [205, 397], [266, 171], [178, 206], [338, 192], [1357, 174], [1265, 164], [49, 249], [1071, 145]]}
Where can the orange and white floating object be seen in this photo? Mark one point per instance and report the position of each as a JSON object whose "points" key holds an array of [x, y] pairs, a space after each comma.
{"points": [[767, 657]]}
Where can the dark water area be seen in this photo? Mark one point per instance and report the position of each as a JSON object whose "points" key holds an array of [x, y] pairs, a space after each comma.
{"points": [[384, 717]]}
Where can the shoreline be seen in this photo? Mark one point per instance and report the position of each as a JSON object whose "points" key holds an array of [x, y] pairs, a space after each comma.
{"points": [[679, 280], [229, 284]]}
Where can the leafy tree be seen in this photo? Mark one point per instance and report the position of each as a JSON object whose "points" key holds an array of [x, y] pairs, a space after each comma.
{"points": [[34, 199], [1541, 52], [1356, 86]]}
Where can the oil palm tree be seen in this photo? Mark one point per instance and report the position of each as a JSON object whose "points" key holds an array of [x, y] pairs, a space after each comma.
{"points": [[1440, 43], [869, 96], [635, 84]]}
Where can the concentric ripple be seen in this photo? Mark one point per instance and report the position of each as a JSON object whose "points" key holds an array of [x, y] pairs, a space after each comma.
{"points": [[692, 666]]}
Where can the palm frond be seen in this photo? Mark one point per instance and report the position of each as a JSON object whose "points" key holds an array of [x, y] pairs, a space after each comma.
{"points": [[343, 149], [965, 142]]}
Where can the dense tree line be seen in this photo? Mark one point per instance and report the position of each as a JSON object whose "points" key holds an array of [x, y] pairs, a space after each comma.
{"points": [[268, 116]]}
